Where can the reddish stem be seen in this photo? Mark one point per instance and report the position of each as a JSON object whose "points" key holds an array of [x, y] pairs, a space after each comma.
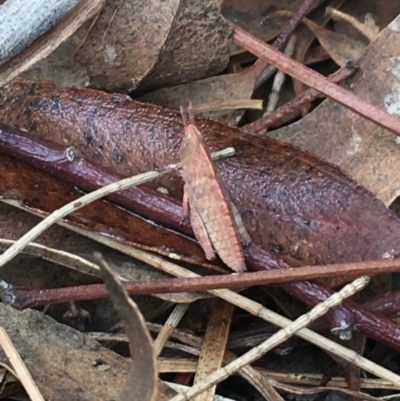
{"points": [[281, 40], [22, 299]]}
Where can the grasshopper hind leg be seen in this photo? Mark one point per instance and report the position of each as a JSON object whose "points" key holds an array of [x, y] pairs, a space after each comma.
{"points": [[201, 234]]}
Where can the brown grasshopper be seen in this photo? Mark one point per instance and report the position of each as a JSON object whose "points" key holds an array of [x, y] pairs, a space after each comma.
{"points": [[215, 220]]}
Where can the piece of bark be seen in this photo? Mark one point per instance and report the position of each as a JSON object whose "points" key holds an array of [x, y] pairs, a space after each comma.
{"points": [[22, 22]]}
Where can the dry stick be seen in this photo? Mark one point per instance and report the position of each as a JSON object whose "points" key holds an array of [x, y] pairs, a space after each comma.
{"points": [[233, 104], [276, 339], [317, 81], [43, 46], [214, 345], [85, 200], [294, 105], [279, 80], [167, 212], [173, 319], [22, 299], [188, 365], [16, 362], [260, 66], [58, 257]]}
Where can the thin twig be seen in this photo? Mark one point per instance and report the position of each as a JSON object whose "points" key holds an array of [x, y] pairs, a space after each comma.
{"points": [[317, 81], [22, 372], [233, 104], [279, 80], [260, 67], [31, 298], [173, 319]]}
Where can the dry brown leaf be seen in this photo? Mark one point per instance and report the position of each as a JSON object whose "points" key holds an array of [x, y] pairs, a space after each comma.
{"points": [[341, 137], [142, 379], [214, 345], [169, 37], [64, 365], [237, 85]]}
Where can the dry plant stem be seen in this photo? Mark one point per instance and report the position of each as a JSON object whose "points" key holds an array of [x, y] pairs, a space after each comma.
{"points": [[279, 79], [188, 365], [163, 210], [31, 298], [317, 81], [173, 320], [214, 345], [22, 372], [276, 339], [46, 44], [85, 200], [249, 104], [281, 40], [295, 105]]}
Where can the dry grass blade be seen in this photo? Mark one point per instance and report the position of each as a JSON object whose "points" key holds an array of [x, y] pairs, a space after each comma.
{"points": [[277, 338], [233, 104], [22, 372], [189, 365], [85, 200], [142, 379], [56, 256], [279, 79], [214, 345], [43, 46], [173, 319], [316, 390]]}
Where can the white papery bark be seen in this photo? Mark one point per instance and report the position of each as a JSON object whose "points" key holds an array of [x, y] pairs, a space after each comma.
{"points": [[22, 21]]}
